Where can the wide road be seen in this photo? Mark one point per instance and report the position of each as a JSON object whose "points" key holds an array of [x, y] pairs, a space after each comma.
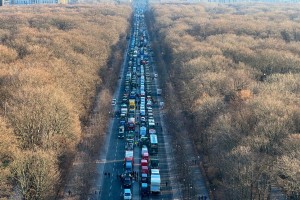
{"points": [[110, 185]]}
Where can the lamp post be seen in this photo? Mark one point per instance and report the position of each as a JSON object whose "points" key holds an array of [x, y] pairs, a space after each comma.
{"points": [[192, 194]]}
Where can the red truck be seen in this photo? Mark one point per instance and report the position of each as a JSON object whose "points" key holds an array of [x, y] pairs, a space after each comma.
{"points": [[144, 162], [145, 170], [145, 156]]}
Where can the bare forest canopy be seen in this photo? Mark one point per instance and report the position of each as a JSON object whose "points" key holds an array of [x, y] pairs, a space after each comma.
{"points": [[51, 62], [236, 69]]}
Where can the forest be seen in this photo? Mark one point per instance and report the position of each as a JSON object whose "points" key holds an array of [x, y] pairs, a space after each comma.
{"points": [[236, 70], [53, 61]]}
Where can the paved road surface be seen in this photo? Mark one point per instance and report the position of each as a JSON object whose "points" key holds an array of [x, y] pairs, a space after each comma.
{"points": [[110, 186]]}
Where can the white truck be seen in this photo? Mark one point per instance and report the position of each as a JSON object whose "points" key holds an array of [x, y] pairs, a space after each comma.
{"points": [[131, 120], [155, 181]]}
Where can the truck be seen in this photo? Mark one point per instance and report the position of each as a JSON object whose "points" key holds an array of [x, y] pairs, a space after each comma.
{"points": [[145, 170], [143, 131], [144, 162], [155, 181], [153, 146], [145, 156]]}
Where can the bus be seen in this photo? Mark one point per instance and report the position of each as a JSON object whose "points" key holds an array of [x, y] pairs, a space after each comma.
{"points": [[153, 144]]}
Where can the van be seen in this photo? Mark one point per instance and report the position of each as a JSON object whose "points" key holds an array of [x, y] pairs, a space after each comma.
{"points": [[127, 194]]}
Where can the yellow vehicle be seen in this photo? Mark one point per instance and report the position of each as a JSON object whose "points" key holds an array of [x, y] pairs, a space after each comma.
{"points": [[131, 104]]}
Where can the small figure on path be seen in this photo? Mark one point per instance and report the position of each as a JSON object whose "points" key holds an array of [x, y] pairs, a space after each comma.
{"points": [[166, 183], [69, 192]]}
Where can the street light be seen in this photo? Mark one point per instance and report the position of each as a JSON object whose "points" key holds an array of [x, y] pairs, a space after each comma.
{"points": [[191, 187]]}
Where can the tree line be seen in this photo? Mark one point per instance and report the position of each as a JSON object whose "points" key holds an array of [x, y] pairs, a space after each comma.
{"points": [[51, 58], [236, 70]]}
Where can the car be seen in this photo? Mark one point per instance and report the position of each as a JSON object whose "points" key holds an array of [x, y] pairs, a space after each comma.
{"points": [[144, 178], [113, 102], [143, 131], [142, 112], [127, 194], [143, 119], [144, 189], [127, 182]]}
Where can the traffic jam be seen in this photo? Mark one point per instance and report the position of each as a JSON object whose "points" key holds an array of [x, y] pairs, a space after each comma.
{"points": [[137, 126]]}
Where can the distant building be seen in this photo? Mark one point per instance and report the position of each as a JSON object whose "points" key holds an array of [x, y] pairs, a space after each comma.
{"points": [[28, 2], [1, 2]]}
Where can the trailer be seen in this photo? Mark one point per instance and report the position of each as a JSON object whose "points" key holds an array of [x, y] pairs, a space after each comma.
{"points": [[155, 183]]}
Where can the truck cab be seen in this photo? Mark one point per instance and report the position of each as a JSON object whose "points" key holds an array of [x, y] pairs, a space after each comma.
{"points": [[155, 181], [154, 163], [128, 166]]}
